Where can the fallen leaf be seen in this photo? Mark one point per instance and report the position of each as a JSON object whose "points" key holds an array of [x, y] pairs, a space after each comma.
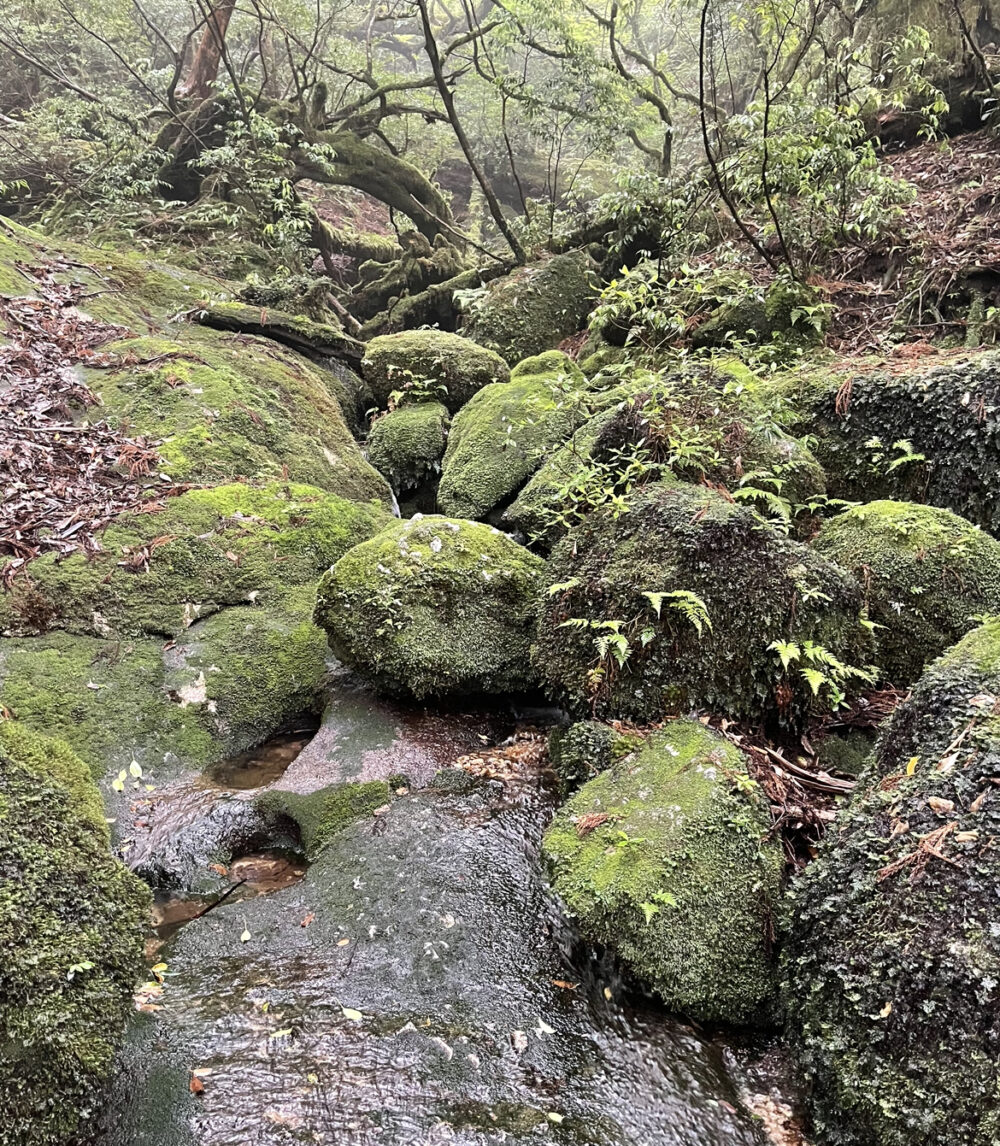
{"points": [[343, 942], [566, 986], [352, 1014], [245, 937], [196, 1086], [552, 1116], [308, 919], [886, 1011], [940, 806]]}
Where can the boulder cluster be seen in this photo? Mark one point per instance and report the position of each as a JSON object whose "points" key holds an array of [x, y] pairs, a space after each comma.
{"points": [[654, 551]]}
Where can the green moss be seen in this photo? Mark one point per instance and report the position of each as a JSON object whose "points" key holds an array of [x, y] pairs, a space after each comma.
{"points": [[533, 308], [294, 330], [433, 606], [455, 367], [681, 876], [227, 407], [224, 685], [504, 434], [756, 586], [926, 574], [321, 815], [579, 752], [71, 930], [893, 963], [948, 413], [105, 698], [207, 549], [407, 445]]}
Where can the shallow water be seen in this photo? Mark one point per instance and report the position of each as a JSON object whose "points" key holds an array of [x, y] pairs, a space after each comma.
{"points": [[415, 986]]}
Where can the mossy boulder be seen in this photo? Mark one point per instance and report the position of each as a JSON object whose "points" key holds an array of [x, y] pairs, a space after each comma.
{"points": [[72, 920], [222, 686], [765, 315], [434, 606], [407, 445], [668, 859], [893, 962], [225, 407], [931, 434], [926, 574], [158, 572], [675, 601], [505, 433], [534, 308], [452, 368]]}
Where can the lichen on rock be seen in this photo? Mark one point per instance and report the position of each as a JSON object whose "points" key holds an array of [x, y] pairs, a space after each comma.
{"points": [[434, 606], [667, 859]]}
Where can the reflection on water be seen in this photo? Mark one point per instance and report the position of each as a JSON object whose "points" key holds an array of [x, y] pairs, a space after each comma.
{"points": [[260, 766]]}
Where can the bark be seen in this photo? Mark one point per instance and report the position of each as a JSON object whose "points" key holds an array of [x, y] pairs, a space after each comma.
{"points": [[204, 69]]}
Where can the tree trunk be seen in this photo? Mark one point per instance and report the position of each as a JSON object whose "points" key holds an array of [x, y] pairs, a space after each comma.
{"points": [[204, 69]]}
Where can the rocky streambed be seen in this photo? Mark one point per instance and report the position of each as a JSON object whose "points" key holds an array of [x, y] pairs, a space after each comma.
{"points": [[416, 984]]}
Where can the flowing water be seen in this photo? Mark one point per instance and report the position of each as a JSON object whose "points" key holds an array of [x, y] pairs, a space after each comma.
{"points": [[415, 985]]}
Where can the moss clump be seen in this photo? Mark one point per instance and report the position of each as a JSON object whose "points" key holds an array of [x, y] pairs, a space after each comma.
{"points": [[534, 308], [703, 554], [505, 433], [451, 367], [407, 445], [579, 752], [71, 932], [925, 572], [893, 963], [321, 815], [203, 551], [947, 414], [681, 877], [228, 407], [434, 606], [224, 685]]}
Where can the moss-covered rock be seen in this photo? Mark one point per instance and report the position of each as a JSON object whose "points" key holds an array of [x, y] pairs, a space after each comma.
{"points": [[407, 445], [224, 685], [929, 435], [434, 606], [926, 574], [321, 815], [677, 873], [450, 367], [694, 423], [676, 603], [208, 549], [533, 308], [71, 933], [227, 407], [893, 964], [764, 315], [504, 434], [578, 752]]}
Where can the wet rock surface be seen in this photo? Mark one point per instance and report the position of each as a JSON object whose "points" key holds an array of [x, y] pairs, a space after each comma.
{"points": [[417, 985]]}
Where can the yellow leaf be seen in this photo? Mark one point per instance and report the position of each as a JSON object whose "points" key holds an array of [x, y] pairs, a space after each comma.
{"points": [[886, 1011], [282, 1034], [552, 1116], [343, 942], [352, 1014], [607, 993], [245, 937], [911, 765]]}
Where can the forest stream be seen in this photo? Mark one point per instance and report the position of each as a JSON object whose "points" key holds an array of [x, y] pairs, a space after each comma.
{"points": [[416, 984]]}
